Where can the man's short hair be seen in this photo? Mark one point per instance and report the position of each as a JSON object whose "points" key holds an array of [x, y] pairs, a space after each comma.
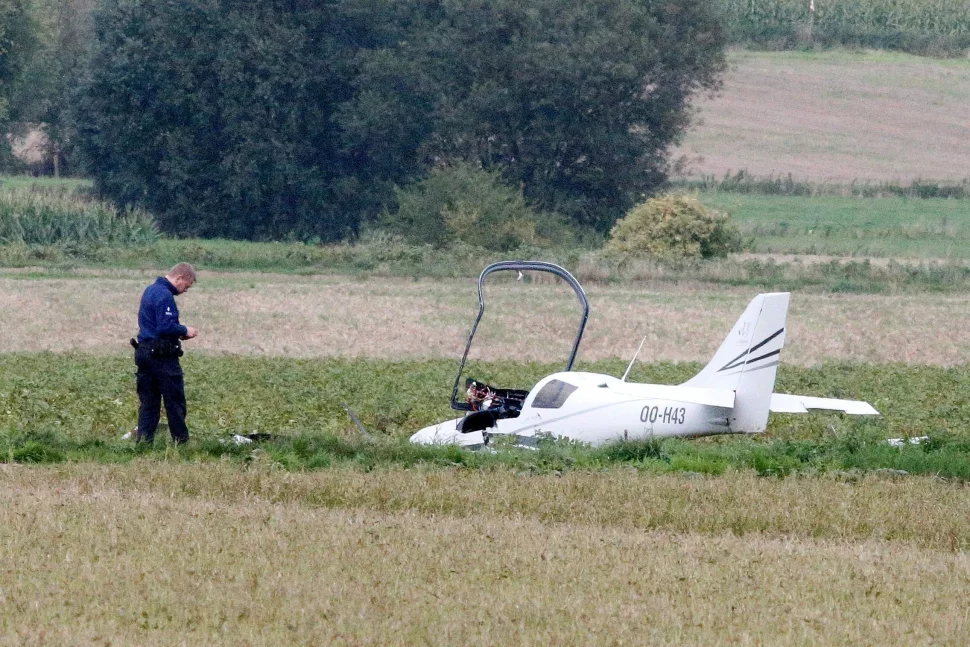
{"points": [[184, 270]]}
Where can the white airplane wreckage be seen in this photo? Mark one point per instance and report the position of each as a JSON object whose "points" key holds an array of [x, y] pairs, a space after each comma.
{"points": [[733, 394]]}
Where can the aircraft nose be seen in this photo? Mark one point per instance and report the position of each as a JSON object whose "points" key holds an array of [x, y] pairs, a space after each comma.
{"points": [[447, 433], [427, 436]]}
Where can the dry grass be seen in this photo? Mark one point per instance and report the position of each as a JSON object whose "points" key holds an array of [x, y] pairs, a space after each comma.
{"points": [[174, 554], [836, 116], [397, 318]]}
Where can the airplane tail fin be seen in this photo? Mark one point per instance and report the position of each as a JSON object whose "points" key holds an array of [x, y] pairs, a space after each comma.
{"points": [[747, 361]]}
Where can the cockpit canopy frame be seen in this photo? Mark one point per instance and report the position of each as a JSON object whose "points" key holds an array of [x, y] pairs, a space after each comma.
{"points": [[520, 266]]}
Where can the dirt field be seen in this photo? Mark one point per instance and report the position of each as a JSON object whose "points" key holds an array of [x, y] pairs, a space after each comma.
{"points": [[836, 116], [399, 318]]}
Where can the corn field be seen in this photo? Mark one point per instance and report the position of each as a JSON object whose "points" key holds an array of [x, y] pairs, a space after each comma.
{"points": [[64, 219], [921, 26]]}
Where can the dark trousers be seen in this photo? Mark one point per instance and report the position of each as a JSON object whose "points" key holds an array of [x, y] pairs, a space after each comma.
{"points": [[159, 379]]}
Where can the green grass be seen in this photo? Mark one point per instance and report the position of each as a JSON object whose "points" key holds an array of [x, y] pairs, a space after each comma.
{"points": [[744, 182], [850, 226], [381, 257], [56, 408], [43, 183]]}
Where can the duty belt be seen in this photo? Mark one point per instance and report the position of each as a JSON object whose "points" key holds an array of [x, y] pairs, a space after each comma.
{"points": [[160, 348]]}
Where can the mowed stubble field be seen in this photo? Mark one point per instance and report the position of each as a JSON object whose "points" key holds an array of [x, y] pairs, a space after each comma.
{"points": [[151, 553], [837, 116], [404, 319]]}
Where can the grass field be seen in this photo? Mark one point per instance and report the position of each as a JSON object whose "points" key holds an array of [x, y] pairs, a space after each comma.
{"points": [[16, 182], [56, 408], [836, 116], [809, 533], [899, 228]]}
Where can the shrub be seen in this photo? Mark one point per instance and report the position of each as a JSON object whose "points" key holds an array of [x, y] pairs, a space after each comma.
{"points": [[674, 226], [461, 203]]}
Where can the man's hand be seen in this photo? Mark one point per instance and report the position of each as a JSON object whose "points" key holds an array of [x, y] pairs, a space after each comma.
{"points": [[190, 332]]}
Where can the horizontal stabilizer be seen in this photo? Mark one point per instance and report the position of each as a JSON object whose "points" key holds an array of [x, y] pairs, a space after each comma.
{"points": [[784, 403]]}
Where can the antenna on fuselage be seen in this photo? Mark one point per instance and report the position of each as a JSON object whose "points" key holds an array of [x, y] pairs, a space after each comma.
{"points": [[627, 372]]}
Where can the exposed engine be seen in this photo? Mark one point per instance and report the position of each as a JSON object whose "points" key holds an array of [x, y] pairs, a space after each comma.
{"points": [[489, 404]]}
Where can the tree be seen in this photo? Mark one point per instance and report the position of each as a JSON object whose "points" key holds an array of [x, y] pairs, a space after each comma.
{"points": [[18, 40], [213, 115], [276, 118], [577, 101], [41, 95]]}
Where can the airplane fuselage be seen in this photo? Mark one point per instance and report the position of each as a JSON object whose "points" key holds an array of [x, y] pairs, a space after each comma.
{"points": [[733, 393], [597, 409]]}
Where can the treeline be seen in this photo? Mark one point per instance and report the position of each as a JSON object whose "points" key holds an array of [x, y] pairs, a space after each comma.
{"points": [[279, 118], [293, 119], [935, 27]]}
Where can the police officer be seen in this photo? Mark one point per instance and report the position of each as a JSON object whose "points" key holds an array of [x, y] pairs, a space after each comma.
{"points": [[157, 353]]}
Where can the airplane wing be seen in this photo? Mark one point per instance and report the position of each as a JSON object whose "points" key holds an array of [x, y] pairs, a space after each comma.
{"points": [[784, 403]]}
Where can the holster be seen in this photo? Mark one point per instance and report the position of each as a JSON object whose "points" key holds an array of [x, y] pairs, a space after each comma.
{"points": [[161, 348]]}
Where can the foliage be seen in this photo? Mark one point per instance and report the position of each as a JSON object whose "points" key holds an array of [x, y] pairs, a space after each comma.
{"points": [[76, 407], [268, 120], [67, 221], [674, 226], [920, 26], [17, 44], [219, 117], [462, 203], [576, 101], [42, 95]]}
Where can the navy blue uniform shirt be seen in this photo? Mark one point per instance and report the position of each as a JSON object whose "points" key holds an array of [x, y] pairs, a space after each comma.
{"points": [[158, 316]]}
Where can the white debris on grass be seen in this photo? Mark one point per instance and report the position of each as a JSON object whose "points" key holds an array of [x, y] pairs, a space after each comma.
{"points": [[236, 439], [901, 442]]}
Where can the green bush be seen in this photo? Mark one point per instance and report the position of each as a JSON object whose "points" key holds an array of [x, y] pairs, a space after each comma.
{"points": [[463, 204], [674, 226]]}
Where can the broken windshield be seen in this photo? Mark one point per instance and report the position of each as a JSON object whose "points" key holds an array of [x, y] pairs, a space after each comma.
{"points": [[531, 316]]}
